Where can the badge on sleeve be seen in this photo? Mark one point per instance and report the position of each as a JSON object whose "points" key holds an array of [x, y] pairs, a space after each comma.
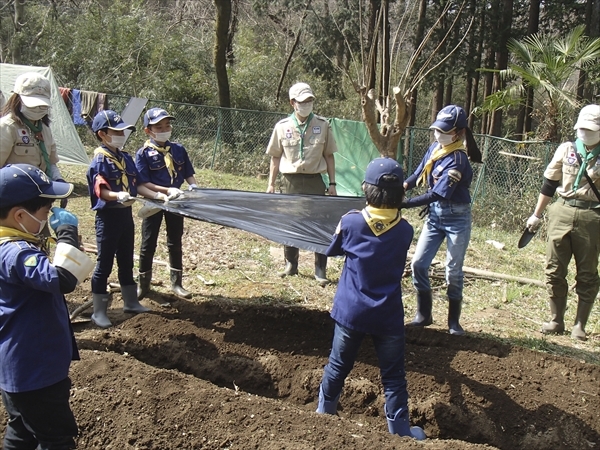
{"points": [[454, 176], [31, 261]]}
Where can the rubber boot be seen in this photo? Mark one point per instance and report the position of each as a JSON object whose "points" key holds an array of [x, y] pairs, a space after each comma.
{"points": [[423, 317], [99, 316], [176, 286], [454, 310], [557, 323], [131, 304], [291, 255], [321, 269], [399, 424], [144, 284], [327, 406], [583, 313]]}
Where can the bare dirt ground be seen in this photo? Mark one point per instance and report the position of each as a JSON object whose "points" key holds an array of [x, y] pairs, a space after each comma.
{"points": [[233, 368]]}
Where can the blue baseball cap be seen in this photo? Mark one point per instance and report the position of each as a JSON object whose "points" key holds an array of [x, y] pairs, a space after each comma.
{"points": [[22, 182], [155, 115], [109, 119], [450, 118], [384, 166]]}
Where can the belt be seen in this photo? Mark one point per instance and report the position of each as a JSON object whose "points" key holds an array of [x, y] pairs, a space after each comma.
{"points": [[305, 175], [583, 204]]}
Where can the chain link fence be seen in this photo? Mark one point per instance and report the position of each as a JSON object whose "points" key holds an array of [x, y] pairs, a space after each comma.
{"points": [[504, 189]]}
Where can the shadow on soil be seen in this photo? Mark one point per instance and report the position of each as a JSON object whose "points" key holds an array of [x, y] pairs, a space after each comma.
{"points": [[468, 388]]}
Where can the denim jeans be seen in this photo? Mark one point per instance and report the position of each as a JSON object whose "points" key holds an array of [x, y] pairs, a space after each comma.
{"points": [[450, 221], [390, 352]]}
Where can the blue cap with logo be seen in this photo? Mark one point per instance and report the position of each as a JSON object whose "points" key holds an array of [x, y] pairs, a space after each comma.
{"points": [[22, 182], [450, 118], [384, 166], [155, 115], [109, 119]]}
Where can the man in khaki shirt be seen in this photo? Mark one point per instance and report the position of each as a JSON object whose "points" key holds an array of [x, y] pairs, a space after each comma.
{"points": [[573, 222], [302, 148]]}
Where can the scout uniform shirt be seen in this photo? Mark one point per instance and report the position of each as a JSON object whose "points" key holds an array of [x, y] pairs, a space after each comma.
{"points": [[36, 343], [19, 146], [564, 167], [116, 171], [167, 166], [302, 147], [375, 243], [450, 176]]}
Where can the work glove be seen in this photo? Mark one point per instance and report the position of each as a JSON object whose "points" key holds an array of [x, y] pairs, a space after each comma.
{"points": [[193, 187], [533, 223], [161, 197], [123, 196], [60, 217], [173, 193]]}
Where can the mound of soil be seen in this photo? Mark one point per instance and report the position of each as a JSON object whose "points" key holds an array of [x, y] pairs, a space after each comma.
{"points": [[218, 375]]}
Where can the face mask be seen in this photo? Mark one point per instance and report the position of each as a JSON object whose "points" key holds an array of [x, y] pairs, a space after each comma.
{"points": [[304, 109], [443, 138], [117, 141], [41, 222], [35, 113], [588, 137], [162, 137]]}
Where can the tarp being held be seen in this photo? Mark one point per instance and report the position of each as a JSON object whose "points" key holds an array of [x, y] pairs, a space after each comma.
{"points": [[303, 221]]}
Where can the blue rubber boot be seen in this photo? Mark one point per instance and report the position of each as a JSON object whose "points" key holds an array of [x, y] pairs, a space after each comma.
{"points": [[327, 406], [399, 424]]}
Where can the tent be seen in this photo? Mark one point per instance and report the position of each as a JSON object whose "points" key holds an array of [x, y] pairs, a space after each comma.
{"points": [[69, 146]]}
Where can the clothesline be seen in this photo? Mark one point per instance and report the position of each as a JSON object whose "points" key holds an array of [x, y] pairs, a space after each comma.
{"points": [[83, 105]]}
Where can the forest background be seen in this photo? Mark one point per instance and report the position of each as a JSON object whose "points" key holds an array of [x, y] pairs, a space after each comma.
{"points": [[520, 68]]}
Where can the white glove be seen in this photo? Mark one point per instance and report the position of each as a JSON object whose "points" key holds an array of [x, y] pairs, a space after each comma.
{"points": [[161, 197], [193, 187], [123, 196], [173, 193], [533, 222]]}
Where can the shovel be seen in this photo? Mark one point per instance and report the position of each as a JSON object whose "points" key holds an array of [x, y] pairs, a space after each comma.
{"points": [[525, 237]]}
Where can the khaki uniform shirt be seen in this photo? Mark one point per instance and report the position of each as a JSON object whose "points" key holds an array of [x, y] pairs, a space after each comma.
{"points": [[564, 168], [318, 142], [18, 146]]}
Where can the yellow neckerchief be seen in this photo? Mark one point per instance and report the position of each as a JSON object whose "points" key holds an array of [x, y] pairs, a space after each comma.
{"points": [[438, 153], [381, 220], [167, 155], [118, 161], [8, 234]]}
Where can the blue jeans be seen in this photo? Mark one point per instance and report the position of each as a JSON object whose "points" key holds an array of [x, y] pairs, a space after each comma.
{"points": [[450, 221], [390, 352]]}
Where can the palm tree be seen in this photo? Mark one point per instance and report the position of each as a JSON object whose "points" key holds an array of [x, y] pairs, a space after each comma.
{"points": [[549, 65]]}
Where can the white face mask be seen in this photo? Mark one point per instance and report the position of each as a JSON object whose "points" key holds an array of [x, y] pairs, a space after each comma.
{"points": [[588, 137], [117, 141], [443, 138], [41, 222], [162, 137], [35, 113], [303, 109]]}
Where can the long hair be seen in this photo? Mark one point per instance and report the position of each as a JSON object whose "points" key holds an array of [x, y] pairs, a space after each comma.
{"points": [[472, 147], [384, 197], [13, 108]]}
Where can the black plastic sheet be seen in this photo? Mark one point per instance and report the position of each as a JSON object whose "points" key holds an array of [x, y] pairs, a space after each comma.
{"points": [[303, 221]]}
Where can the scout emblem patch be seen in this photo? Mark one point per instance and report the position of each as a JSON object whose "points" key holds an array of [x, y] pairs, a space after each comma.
{"points": [[571, 158], [24, 136], [288, 134], [31, 261], [316, 130]]}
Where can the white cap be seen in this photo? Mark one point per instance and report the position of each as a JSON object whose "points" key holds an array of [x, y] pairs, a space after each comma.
{"points": [[33, 88], [589, 118], [301, 92]]}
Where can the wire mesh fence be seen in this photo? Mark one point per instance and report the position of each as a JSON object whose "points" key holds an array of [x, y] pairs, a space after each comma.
{"points": [[504, 189]]}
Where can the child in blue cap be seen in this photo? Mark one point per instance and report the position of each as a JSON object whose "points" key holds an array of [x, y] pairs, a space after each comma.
{"points": [[113, 182], [368, 299], [36, 340], [163, 166]]}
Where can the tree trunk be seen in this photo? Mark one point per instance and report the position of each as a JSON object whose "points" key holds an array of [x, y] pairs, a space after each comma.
{"points": [[418, 38], [220, 53], [501, 63], [19, 13]]}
